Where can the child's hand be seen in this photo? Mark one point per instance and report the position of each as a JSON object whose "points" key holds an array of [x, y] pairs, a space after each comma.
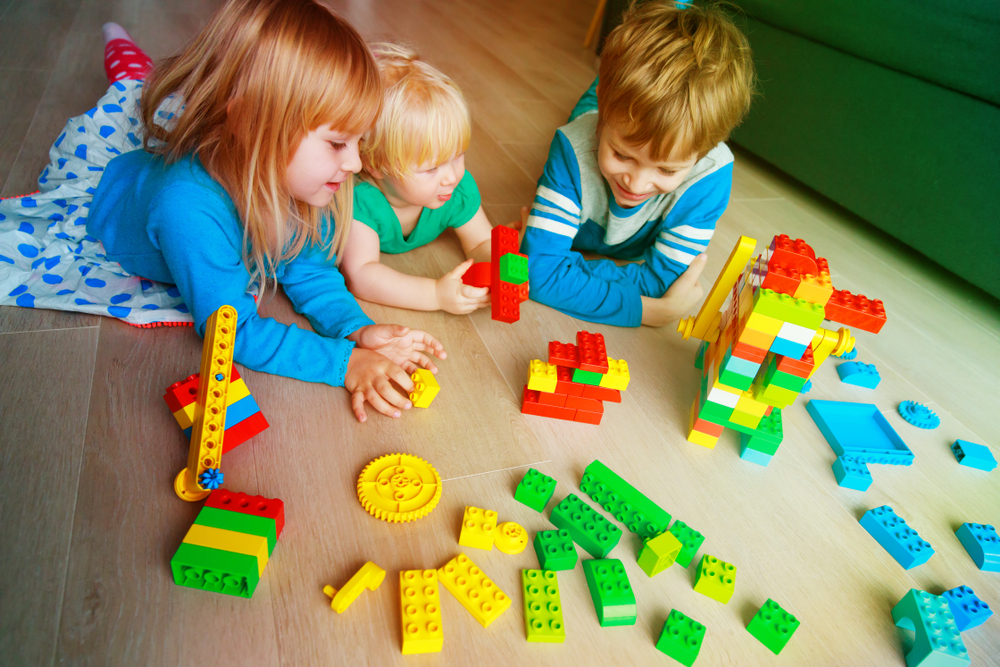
{"points": [[369, 378], [679, 299], [455, 296], [521, 225], [400, 345]]}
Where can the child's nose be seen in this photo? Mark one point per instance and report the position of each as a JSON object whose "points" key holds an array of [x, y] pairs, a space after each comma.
{"points": [[352, 159]]}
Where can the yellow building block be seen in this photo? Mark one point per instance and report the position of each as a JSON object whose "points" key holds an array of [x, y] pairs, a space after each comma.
{"points": [[826, 342], [756, 338], [748, 405], [237, 391], [511, 538], [229, 540], [478, 528], [704, 325], [470, 586], [421, 612], [764, 324], [715, 579], [697, 437], [370, 576], [617, 376], [815, 289], [744, 419], [542, 376], [425, 389]]}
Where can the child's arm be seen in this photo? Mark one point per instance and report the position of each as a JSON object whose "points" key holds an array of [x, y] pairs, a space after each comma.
{"points": [[475, 237]]}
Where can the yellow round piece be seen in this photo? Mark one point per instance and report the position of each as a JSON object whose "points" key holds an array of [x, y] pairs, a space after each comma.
{"points": [[511, 538], [399, 487]]}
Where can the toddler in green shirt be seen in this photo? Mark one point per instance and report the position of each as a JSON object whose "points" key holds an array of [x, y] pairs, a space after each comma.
{"points": [[414, 187]]}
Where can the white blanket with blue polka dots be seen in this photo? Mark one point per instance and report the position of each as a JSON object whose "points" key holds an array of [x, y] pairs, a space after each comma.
{"points": [[47, 260]]}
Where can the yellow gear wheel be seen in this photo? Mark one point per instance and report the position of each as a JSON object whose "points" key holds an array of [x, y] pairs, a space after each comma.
{"points": [[399, 488]]}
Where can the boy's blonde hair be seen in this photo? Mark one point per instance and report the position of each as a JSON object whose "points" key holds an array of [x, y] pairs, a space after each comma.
{"points": [[424, 117], [678, 79], [255, 81]]}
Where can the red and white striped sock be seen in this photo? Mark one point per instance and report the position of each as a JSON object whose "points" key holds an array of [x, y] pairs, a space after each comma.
{"points": [[124, 60]]}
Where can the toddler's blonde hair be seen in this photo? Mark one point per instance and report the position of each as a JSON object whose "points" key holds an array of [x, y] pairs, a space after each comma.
{"points": [[676, 78], [424, 117], [255, 81]]}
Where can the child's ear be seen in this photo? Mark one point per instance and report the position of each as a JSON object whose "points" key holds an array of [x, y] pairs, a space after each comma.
{"points": [[374, 173]]}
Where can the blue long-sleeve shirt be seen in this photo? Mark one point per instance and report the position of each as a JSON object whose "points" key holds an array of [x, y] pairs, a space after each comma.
{"points": [[176, 224], [573, 210]]}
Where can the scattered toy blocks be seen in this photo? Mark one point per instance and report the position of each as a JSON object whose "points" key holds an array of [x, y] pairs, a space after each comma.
{"points": [[535, 490], [259, 506], [658, 553], [590, 530], [681, 638], [969, 611], [919, 415], [690, 539], [773, 626], [243, 416], [421, 612], [859, 374], [937, 640], [555, 550], [715, 579], [974, 456], [478, 529], [425, 388], [370, 576], [470, 586], [639, 514], [593, 355], [902, 542], [239, 522], [543, 617], [851, 473], [982, 544], [613, 597], [511, 538]]}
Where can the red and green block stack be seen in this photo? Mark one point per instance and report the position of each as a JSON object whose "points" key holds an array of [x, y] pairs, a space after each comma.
{"points": [[506, 274]]}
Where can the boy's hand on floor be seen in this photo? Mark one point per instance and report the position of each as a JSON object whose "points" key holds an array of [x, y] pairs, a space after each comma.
{"points": [[400, 345], [370, 378], [458, 298], [679, 299]]}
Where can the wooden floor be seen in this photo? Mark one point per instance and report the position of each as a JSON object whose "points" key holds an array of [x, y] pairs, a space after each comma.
{"points": [[89, 519]]}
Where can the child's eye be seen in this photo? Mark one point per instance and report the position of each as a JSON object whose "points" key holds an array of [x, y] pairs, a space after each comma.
{"points": [[621, 158], [338, 145], [667, 172]]}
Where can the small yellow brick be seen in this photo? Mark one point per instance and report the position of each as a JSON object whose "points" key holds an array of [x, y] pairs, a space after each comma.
{"points": [[421, 612], [478, 528], [425, 389], [470, 586], [617, 376], [542, 376]]}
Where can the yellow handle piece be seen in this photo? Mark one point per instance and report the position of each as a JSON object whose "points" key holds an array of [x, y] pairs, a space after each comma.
{"points": [[825, 343], [701, 327], [370, 576]]}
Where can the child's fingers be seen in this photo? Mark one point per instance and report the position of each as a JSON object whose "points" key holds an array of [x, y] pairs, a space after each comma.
{"points": [[358, 405], [424, 341], [459, 271], [399, 375], [392, 395], [689, 278], [470, 292], [373, 397], [424, 362], [408, 366]]}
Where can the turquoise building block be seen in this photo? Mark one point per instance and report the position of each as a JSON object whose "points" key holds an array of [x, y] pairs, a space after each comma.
{"points": [[902, 542], [937, 641], [851, 473], [982, 543], [974, 456], [859, 374], [969, 611]]}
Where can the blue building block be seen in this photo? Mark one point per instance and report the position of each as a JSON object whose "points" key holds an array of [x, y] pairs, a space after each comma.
{"points": [[807, 387], [753, 455], [851, 473], [789, 348], [937, 641], [968, 610], [859, 430], [974, 456], [848, 356], [982, 543], [902, 542], [919, 415], [859, 374]]}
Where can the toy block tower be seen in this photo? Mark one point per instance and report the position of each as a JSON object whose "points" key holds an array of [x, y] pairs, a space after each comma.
{"points": [[575, 381], [763, 339], [508, 275]]}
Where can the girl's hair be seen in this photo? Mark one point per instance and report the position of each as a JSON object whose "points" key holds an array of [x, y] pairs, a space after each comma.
{"points": [[424, 117], [254, 82]]}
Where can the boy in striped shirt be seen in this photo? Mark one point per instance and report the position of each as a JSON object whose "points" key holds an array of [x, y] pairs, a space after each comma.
{"points": [[641, 170]]}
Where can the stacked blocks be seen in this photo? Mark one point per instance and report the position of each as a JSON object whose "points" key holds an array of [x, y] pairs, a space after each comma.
{"points": [[535, 490], [243, 417], [613, 597], [968, 610], [555, 550], [852, 473], [425, 388], [690, 539], [974, 456], [982, 544], [937, 640], [575, 381], [226, 549], [681, 638], [902, 542], [639, 514], [470, 586], [507, 267], [478, 528], [589, 529], [421, 612], [659, 553], [543, 617], [859, 374], [773, 626], [715, 579]]}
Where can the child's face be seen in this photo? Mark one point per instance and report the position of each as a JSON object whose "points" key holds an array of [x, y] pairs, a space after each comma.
{"points": [[428, 185], [634, 177], [321, 163]]}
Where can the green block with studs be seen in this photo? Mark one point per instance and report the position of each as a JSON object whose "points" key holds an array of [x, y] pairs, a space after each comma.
{"points": [[535, 490], [773, 626], [681, 638]]}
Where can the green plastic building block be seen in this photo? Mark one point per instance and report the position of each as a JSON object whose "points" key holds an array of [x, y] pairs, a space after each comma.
{"points": [[788, 309], [782, 379], [690, 540], [639, 514], [590, 530], [555, 550], [241, 523], [543, 617], [514, 268], [773, 626], [215, 570], [535, 490], [681, 638], [699, 359], [613, 597], [715, 579], [587, 377], [659, 553], [937, 641]]}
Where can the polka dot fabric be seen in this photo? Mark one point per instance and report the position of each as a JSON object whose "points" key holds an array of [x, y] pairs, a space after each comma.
{"points": [[123, 60], [47, 260]]}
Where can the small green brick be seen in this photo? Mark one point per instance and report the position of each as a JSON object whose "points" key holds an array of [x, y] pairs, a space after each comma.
{"points": [[659, 553], [590, 530], [772, 394], [788, 309], [715, 578], [681, 638], [535, 490], [555, 550], [587, 377], [611, 592], [215, 570], [699, 359], [715, 413], [241, 523], [690, 540], [514, 268], [626, 503], [773, 626], [735, 380], [782, 379], [543, 617]]}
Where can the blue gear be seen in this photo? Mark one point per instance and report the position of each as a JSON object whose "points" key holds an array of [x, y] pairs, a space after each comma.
{"points": [[807, 387], [919, 415], [848, 356], [211, 478]]}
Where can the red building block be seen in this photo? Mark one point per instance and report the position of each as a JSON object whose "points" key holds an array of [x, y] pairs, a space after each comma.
{"points": [[478, 275], [788, 254], [602, 393], [856, 311], [587, 417], [505, 303], [269, 508], [531, 406], [565, 384], [522, 291], [185, 392], [239, 433], [555, 398], [749, 352], [782, 280], [563, 354], [581, 403], [593, 355], [797, 367], [708, 428]]}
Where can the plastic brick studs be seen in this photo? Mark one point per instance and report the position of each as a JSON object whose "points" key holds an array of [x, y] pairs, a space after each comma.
{"points": [[543, 617], [968, 610], [681, 638], [399, 487], [859, 374], [421, 612], [902, 542], [715, 579], [535, 490], [773, 626], [425, 388], [470, 586], [611, 592], [478, 528], [639, 514], [981, 542], [919, 415], [690, 540], [555, 550], [588, 528], [937, 639]]}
